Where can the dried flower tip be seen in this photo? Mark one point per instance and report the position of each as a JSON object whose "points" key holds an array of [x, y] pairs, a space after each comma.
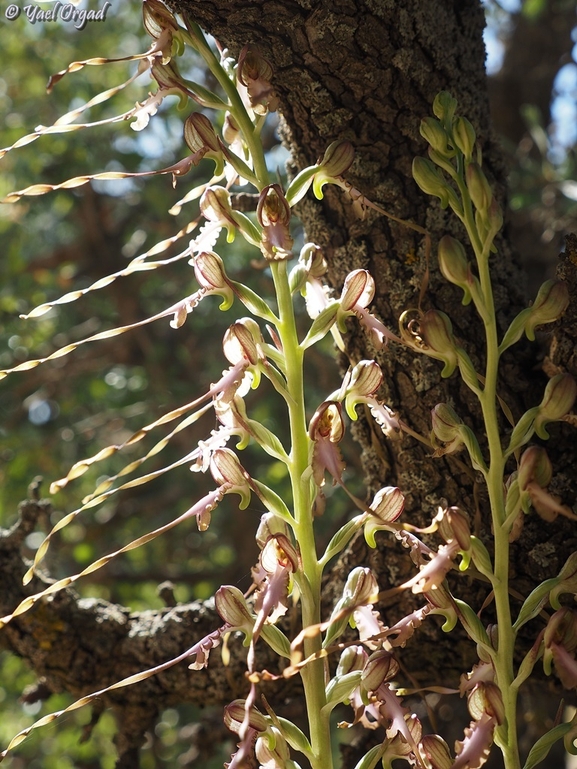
{"points": [[464, 137], [550, 303]]}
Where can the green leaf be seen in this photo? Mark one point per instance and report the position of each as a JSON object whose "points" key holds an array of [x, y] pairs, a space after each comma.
{"points": [[341, 539], [321, 325], [370, 759], [340, 689], [277, 640], [268, 440], [473, 624], [253, 302], [272, 501], [295, 738], [535, 602], [541, 748]]}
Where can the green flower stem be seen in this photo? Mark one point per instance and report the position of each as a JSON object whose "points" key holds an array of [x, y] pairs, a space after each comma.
{"points": [[236, 106], [506, 734], [313, 674]]}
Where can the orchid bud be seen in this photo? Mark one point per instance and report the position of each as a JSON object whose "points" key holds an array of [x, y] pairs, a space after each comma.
{"points": [[327, 422], [226, 468], [437, 751], [274, 215], [270, 525], [209, 271], [210, 274], [437, 331], [455, 526], [550, 303], [434, 133], [215, 206], [272, 750], [232, 607], [560, 639], [156, 18], [358, 288], [446, 426], [486, 698], [312, 257], [430, 180], [366, 378], [255, 73], [337, 159], [479, 188], [241, 342], [567, 581], [352, 658], [494, 217], [235, 713], [464, 137], [454, 265], [561, 627], [558, 400], [534, 466], [381, 667], [199, 134], [279, 551], [444, 106], [388, 504], [361, 588], [441, 602], [230, 129]]}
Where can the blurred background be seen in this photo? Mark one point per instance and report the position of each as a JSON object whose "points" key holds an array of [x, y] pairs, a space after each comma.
{"points": [[66, 410]]}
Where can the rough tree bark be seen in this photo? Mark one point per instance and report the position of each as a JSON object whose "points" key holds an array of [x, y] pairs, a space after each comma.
{"points": [[366, 71]]}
